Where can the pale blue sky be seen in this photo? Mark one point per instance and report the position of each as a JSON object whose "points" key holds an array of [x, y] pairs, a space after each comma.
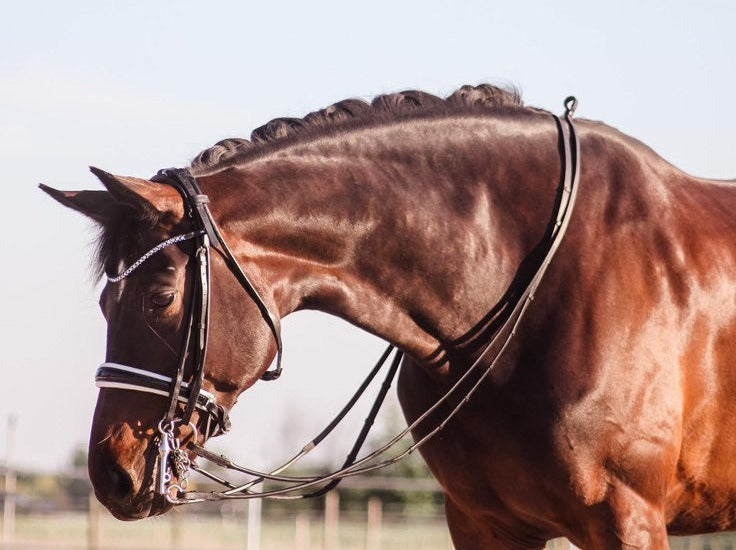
{"points": [[136, 86]]}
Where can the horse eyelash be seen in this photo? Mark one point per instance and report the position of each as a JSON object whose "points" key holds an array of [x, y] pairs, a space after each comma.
{"points": [[143, 308]]}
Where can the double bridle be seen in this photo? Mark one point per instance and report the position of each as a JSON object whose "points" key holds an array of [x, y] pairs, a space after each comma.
{"points": [[173, 459]]}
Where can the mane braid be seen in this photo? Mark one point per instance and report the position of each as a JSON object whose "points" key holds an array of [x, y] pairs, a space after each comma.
{"points": [[467, 99], [122, 238]]}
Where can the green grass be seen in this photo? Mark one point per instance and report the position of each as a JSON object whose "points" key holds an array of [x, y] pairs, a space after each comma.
{"points": [[70, 531]]}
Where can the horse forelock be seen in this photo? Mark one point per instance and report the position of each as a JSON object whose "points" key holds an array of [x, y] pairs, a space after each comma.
{"points": [[120, 239], [383, 108]]}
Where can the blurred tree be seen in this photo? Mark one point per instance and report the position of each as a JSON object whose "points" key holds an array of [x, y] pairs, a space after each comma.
{"points": [[79, 457], [74, 483]]}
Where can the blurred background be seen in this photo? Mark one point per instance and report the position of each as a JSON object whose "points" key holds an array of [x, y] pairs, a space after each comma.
{"points": [[133, 87]]}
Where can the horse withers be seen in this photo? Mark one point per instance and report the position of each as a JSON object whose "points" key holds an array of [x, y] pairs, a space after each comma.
{"points": [[605, 418]]}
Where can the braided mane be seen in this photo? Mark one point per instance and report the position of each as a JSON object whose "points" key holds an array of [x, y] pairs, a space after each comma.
{"points": [[483, 97], [122, 239]]}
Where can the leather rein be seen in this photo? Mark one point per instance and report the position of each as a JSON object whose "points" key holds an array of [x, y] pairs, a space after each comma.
{"points": [[173, 459]]}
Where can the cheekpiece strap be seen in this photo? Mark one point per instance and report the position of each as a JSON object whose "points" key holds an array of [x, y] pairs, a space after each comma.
{"points": [[187, 185], [197, 201]]}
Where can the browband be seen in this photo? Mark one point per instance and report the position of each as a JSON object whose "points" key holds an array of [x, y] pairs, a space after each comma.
{"points": [[160, 246]]}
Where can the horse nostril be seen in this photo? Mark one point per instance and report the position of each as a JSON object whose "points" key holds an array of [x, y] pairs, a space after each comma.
{"points": [[122, 483]]}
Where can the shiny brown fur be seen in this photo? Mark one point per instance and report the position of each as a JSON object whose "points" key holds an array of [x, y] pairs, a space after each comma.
{"points": [[610, 419]]}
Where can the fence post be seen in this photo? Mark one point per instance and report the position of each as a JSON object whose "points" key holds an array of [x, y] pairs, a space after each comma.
{"points": [[8, 532], [332, 519], [301, 531], [254, 521], [375, 514], [93, 523]]}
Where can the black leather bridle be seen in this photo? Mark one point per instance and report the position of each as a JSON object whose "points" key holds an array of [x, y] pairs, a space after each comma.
{"points": [[174, 460], [205, 235]]}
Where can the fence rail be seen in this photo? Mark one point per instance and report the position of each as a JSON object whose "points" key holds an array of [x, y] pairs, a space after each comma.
{"points": [[366, 524], [371, 528]]}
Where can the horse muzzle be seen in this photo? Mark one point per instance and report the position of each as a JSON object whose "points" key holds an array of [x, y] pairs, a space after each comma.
{"points": [[122, 468]]}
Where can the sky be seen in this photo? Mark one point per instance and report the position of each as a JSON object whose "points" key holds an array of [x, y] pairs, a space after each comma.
{"points": [[135, 86]]}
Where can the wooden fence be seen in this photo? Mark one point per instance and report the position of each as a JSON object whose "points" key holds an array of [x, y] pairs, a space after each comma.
{"points": [[373, 526]]}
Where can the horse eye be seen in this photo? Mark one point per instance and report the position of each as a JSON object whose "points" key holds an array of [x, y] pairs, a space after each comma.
{"points": [[163, 299]]}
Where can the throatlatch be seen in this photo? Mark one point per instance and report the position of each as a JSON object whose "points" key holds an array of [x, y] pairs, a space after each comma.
{"points": [[174, 462]]}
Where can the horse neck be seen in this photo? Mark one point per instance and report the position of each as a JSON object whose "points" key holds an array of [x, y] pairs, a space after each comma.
{"points": [[411, 234]]}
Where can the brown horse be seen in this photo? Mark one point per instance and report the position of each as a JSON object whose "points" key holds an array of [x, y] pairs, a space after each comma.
{"points": [[608, 419]]}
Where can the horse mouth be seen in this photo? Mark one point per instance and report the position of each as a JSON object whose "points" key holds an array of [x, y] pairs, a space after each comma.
{"points": [[140, 507], [135, 505]]}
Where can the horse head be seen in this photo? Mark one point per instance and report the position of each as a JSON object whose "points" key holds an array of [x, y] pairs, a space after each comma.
{"points": [[147, 314]]}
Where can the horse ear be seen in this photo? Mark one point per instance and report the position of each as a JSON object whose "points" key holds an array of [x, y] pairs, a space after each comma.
{"points": [[98, 205], [151, 199]]}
